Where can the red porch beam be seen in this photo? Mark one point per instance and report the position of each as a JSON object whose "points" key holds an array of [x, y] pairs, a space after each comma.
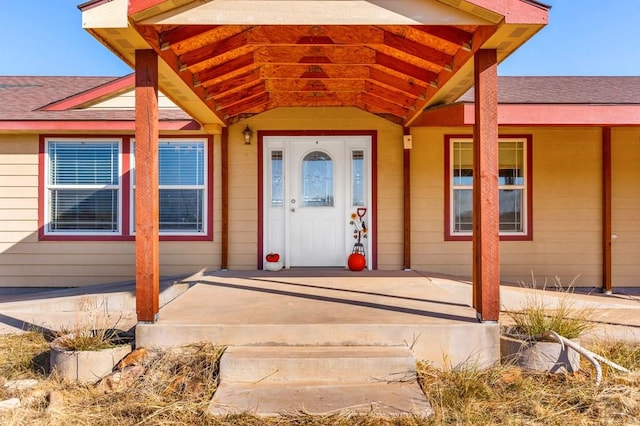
{"points": [[224, 158], [486, 221], [407, 197], [607, 284], [147, 199]]}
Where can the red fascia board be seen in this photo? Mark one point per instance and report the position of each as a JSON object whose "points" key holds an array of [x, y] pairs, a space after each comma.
{"points": [[535, 115], [443, 116], [113, 87], [517, 11], [101, 125], [564, 115]]}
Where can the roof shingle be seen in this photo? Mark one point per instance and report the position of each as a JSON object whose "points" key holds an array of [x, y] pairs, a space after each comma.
{"points": [[565, 90], [22, 97]]}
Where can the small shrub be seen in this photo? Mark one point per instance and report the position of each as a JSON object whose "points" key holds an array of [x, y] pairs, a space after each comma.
{"points": [[89, 340], [538, 317]]}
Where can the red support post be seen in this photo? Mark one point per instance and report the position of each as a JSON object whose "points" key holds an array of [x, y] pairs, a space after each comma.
{"points": [[607, 279], [486, 220], [146, 181], [224, 182], [407, 199]]}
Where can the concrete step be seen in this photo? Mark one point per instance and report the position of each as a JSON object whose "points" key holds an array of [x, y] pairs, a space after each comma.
{"points": [[380, 399], [320, 380], [319, 364], [445, 344]]}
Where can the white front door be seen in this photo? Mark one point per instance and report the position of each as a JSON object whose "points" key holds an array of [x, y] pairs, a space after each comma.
{"points": [[316, 203], [311, 186]]}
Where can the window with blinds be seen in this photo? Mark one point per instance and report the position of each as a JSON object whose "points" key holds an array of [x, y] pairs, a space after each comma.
{"points": [[83, 186], [182, 176]]}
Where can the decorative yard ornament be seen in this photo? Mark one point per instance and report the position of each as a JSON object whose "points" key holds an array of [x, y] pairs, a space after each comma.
{"points": [[357, 260]]}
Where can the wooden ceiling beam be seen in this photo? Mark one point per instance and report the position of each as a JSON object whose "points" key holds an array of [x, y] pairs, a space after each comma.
{"points": [[380, 112], [246, 105], [181, 33], [217, 90], [150, 34], [314, 99], [226, 101], [315, 35], [402, 67], [390, 95], [385, 105], [352, 55], [482, 34], [426, 53], [233, 66], [290, 71], [209, 51], [326, 85], [408, 86], [448, 33]]}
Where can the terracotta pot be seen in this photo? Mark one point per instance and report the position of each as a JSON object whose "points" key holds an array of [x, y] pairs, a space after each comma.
{"points": [[356, 262]]}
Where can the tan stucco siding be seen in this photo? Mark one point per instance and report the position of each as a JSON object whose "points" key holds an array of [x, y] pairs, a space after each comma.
{"points": [[243, 177], [27, 262], [567, 203], [625, 153]]}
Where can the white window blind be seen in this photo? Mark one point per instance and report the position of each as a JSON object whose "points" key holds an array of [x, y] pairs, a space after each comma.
{"points": [[182, 185], [83, 186]]}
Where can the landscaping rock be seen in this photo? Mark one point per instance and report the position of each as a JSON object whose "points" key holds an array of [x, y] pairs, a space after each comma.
{"points": [[20, 384], [10, 404], [124, 378]]}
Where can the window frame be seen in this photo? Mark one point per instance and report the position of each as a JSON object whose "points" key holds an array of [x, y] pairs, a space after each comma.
{"points": [[527, 198], [47, 188], [126, 201], [206, 187]]}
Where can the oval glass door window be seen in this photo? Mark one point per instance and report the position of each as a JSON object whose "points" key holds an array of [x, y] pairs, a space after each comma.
{"points": [[317, 180]]}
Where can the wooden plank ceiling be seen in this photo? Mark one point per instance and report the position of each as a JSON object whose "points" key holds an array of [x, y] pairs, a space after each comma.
{"points": [[240, 70]]}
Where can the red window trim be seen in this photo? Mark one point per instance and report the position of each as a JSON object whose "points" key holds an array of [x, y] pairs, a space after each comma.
{"points": [[125, 191], [448, 236]]}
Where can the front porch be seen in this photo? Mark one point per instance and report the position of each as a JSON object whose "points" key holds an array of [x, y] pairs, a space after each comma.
{"points": [[328, 307]]}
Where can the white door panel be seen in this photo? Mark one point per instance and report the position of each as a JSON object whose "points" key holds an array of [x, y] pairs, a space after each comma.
{"points": [[311, 187], [316, 203]]}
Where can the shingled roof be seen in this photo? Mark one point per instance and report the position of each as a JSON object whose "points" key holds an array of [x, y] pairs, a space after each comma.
{"points": [[25, 97], [565, 90]]}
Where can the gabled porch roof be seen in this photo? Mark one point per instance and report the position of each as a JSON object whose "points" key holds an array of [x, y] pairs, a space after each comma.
{"points": [[224, 61]]}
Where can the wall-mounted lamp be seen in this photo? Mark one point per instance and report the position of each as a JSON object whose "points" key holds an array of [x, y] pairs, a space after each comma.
{"points": [[248, 134]]}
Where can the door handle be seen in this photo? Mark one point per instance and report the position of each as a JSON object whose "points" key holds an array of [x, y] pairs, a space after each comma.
{"points": [[293, 210]]}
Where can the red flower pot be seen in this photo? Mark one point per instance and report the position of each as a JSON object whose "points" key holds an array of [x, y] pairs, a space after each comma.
{"points": [[272, 257], [356, 262]]}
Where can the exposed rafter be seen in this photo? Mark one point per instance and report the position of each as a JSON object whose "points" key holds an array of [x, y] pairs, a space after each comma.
{"points": [[239, 70]]}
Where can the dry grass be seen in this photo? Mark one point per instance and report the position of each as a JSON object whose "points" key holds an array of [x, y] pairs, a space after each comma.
{"points": [[539, 316], [177, 386]]}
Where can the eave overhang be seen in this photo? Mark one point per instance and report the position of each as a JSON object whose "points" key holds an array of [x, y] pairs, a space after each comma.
{"points": [[223, 61]]}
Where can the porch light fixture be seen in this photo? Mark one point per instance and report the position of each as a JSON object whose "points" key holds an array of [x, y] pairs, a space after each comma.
{"points": [[248, 134]]}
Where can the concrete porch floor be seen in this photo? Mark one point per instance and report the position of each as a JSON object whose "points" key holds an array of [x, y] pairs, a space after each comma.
{"points": [[328, 307]]}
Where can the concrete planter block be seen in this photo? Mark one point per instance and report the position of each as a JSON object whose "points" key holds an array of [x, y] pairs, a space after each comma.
{"points": [[86, 366], [542, 356]]}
